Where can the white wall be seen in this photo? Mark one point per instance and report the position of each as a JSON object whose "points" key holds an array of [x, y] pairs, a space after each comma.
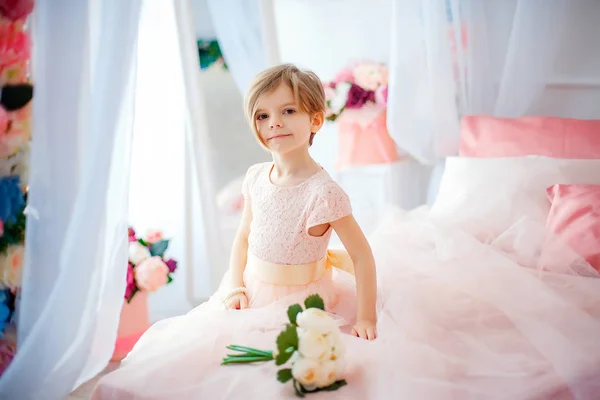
{"points": [[324, 36], [233, 145], [575, 89]]}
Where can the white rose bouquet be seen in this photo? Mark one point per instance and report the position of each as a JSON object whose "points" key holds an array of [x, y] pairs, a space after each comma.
{"points": [[310, 347]]}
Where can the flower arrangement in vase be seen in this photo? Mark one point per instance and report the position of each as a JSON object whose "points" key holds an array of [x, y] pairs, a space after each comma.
{"points": [[148, 270], [357, 100], [354, 87]]}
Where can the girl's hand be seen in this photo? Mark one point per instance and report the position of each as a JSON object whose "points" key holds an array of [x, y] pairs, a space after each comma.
{"points": [[365, 329], [238, 301]]}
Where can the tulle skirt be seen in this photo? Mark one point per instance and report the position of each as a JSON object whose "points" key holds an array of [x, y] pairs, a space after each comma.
{"points": [[518, 318]]}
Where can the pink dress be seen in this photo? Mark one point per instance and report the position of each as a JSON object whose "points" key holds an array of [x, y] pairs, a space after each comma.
{"points": [[457, 319]]}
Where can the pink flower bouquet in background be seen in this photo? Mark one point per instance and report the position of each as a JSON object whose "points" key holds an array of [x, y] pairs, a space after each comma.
{"points": [[148, 270], [357, 101], [354, 87]]}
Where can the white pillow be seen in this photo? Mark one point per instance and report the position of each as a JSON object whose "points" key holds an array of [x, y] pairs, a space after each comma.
{"points": [[486, 196]]}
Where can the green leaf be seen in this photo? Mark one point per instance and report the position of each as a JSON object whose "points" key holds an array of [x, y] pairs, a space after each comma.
{"points": [[169, 279], [143, 242], [293, 312], [286, 340], [298, 389], [334, 386], [283, 357], [284, 375], [159, 248], [314, 301], [14, 233]]}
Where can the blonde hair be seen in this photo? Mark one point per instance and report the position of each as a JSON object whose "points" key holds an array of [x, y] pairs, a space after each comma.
{"points": [[306, 87]]}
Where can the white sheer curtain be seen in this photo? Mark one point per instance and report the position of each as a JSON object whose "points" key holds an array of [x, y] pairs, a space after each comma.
{"points": [[459, 57], [237, 24], [74, 276], [200, 202]]}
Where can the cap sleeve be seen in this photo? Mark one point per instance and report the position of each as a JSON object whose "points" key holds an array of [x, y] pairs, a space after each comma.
{"points": [[249, 180], [331, 204]]}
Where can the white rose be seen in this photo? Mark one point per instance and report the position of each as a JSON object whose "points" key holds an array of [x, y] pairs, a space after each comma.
{"points": [[341, 96], [314, 319], [327, 374], [306, 371], [313, 344], [11, 267], [340, 368], [138, 253], [335, 342]]}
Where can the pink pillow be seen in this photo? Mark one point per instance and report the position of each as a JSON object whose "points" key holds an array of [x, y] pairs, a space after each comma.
{"points": [[575, 217], [484, 136]]}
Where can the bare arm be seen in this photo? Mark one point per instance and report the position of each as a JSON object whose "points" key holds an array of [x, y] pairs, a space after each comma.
{"points": [[239, 250], [359, 250]]}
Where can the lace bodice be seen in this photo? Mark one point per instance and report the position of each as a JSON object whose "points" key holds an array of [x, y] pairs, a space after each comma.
{"points": [[282, 216]]}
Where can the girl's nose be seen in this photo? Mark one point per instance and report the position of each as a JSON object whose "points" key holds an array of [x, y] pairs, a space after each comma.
{"points": [[275, 123]]}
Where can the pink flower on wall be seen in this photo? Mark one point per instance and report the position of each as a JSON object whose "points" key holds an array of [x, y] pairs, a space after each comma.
{"points": [[16, 9], [3, 121], [8, 349], [15, 44]]}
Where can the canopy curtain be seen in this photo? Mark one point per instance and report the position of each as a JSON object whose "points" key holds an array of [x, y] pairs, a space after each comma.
{"points": [[203, 240], [237, 24], [76, 253], [458, 57]]}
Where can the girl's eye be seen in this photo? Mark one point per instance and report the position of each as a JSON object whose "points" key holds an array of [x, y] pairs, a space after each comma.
{"points": [[289, 111], [261, 116]]}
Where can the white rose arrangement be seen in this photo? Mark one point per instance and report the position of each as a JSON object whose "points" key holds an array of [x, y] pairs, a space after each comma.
{"points": [[310, 347]]}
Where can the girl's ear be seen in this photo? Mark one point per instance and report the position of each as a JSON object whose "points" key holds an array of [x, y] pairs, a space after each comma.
{"points": [[317, 122]]}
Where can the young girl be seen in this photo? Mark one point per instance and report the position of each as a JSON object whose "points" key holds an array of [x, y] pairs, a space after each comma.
{"points": [[453, 318], [292, 205], [279, 257]]}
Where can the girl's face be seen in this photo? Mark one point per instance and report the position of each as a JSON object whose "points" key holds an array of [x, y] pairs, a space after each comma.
{"points": [[281, 123]]}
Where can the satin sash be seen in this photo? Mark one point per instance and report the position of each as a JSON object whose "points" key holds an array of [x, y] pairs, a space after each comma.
{"points": [[299, 274]]}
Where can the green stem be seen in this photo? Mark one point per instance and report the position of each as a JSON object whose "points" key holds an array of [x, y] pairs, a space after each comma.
{"points": [[250, 350], [244, 359]]}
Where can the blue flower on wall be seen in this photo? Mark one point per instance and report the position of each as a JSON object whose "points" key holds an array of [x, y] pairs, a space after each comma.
{"points": [[5, 309], [12, 199]]}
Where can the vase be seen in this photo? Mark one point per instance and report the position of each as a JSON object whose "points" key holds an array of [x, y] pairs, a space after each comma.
{"points": [[134, 321], [364, 138]]}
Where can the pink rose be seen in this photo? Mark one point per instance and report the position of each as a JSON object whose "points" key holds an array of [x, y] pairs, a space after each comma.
{"points": [[151, 274], [381, 95], [370, 75], [153, 236], [15, 44], [3, 121], [345, 75], [8, 349], [11, 267], [12, 144], [16, 9]]}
